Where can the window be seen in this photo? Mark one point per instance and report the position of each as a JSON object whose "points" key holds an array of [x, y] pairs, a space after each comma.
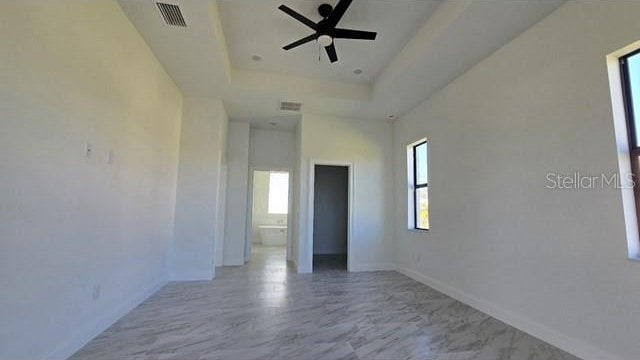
{"points": [[630, 71], [278, 193], [418, 175]]}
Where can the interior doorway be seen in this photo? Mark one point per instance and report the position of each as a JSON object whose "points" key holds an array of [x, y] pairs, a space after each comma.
{"points": [[268, 222], [330, 217]]}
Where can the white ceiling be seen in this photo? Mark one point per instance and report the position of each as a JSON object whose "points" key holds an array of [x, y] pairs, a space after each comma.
{"points": [[207, 59], [259, 28]]}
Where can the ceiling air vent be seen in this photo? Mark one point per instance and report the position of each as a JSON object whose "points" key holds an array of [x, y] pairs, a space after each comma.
{"points": [[171, 14], [290, 106]]}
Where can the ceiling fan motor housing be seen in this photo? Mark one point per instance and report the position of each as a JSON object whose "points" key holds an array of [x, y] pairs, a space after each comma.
{"points": [[324, 10]]}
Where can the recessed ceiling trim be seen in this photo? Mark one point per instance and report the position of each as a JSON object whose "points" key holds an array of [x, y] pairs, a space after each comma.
{"points": [[197, 60], [289, 86]]}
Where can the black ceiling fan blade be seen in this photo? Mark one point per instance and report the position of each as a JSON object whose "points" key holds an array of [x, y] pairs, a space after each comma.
{"points": [[301, 41], [354, 34], [294, 14], [331, 51], [338, 12]]}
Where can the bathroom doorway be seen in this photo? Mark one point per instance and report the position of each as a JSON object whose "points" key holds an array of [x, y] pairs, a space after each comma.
{"points": [[268, 225]]}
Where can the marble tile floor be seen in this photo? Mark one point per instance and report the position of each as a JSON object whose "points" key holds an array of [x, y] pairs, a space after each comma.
{"points": [[264, 310]]}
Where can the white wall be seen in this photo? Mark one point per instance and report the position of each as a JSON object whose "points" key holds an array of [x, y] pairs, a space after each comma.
{"points": [[222, 195], [197, 195], [270, 149], [296, 198], [72, 74], [236, 201], [552, 262], [367, 145], [260, 205]]}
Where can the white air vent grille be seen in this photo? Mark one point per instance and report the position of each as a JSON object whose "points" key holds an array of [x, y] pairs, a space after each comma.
{"points": [[171, 14], [290, 106]]}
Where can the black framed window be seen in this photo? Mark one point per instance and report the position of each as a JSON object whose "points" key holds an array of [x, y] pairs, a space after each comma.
{"points": [[630, 71], [420, 186]]}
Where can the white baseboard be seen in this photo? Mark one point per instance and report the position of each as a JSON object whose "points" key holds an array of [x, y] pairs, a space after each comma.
{"points": [[295, 264], [569, 344], [91, 329], [193, 276], [373, 267], [234, 262], [303, 269]]}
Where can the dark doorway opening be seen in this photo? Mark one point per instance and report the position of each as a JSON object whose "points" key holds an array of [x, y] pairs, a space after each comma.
{"points": [[330, 217]]}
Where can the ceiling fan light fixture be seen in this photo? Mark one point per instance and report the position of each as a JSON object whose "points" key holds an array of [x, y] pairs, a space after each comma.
{"points": [[325, 40], [326, 29]]}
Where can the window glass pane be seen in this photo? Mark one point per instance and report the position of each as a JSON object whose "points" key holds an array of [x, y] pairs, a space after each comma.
{"points": [[422, 175], [633, 64], [278, 193], [422, 208]]}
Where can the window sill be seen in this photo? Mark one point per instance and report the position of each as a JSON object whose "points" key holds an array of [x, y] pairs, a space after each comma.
{"points": [[634, 258], [421, 231]]}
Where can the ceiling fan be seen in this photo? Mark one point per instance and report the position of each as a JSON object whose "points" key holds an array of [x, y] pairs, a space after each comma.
{"points": [[326, 30]]}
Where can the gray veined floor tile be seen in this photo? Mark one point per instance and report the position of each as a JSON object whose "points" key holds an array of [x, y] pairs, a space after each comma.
{"points": [[266, 311], [322, 351]]}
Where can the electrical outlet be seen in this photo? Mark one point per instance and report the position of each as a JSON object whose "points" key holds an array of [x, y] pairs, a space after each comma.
{"points": [[110, 157], [97, 291], [88, 150]]}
